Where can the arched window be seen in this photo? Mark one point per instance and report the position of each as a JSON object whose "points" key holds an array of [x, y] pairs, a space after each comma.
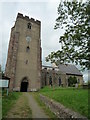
{"points": [[78, 81], [27, 49], [59, 81], [50, 81], [29, 25]]}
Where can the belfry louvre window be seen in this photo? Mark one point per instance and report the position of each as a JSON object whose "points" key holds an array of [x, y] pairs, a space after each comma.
{"points": [[29, 25]]}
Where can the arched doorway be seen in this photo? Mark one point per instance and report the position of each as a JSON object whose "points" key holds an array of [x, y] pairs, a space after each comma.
{"points": [[24, 85]]}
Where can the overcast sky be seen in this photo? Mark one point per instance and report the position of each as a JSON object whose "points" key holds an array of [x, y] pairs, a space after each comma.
{"points": [[45, 11]]}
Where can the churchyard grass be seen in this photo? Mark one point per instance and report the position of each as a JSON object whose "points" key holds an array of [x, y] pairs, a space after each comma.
{"points": [[73, 98], [8, 101]]}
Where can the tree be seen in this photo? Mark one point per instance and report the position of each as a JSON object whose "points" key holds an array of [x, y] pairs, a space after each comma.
{"points": [[72, 81], [74, 17]]}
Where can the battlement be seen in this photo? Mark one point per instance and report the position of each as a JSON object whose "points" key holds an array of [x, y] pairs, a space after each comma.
{"points": [[28, 19]]}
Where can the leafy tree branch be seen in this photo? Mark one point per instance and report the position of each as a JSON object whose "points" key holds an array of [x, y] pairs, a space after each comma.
{"points": [[75, 18]]}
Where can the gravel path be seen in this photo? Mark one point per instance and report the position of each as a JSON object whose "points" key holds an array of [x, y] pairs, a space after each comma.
{"points": [[37, 111], [26, 107]]}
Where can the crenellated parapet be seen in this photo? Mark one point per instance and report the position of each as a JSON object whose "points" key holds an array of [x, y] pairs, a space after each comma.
{"points": [[28, 19]]}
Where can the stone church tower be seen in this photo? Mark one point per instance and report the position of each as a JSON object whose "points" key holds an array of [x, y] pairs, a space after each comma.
{"points": [[23, 65]]}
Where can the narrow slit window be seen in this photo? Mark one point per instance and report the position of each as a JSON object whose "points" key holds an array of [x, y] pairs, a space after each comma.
{"points": [[26, 61], [27, 49]]}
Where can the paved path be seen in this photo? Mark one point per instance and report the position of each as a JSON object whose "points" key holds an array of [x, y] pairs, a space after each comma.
{"points": [[37, 111]]}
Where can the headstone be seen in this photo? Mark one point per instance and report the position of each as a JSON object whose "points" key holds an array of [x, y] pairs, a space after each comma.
{"points": [[76, 85]]}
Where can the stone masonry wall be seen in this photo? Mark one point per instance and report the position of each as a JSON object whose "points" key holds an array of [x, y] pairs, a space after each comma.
{"points": [[12, 58], [16, 66]]}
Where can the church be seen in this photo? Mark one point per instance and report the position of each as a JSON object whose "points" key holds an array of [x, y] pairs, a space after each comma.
{"points": [[24, 64]]}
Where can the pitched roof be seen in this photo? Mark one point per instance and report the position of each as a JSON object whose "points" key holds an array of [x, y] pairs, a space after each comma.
{"points": [[69, 69]]}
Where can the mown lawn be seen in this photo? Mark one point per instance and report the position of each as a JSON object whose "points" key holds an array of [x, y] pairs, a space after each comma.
{"points": [[75, 99], [8, 101]]}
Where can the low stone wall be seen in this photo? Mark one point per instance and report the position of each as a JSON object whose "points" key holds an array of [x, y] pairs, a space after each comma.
{"points": [[59, 110]]}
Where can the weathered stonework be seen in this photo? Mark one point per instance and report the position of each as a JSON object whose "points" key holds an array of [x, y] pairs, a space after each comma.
{"points": [[20, 63], [56, 74]]}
